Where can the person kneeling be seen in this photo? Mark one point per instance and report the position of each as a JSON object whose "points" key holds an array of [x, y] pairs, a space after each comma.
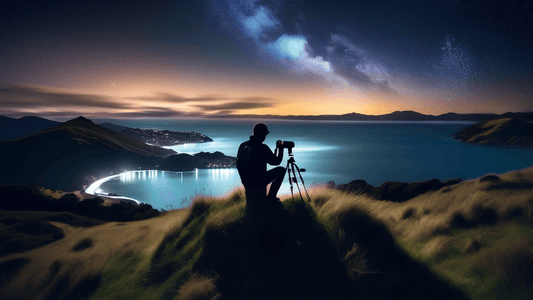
{"points": [[252, 159]]}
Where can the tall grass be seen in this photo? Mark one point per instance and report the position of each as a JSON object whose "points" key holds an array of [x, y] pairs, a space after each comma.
{"points": [[284, 250], [72, 266]]}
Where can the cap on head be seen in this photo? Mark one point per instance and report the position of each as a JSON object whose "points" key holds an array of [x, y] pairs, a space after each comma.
{"points": [[260, 129]]}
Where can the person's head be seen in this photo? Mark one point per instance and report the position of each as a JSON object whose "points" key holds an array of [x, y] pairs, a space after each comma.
{"points": [[260, 131]]}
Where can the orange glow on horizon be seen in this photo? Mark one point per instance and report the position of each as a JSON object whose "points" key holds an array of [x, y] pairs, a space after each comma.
{"points": [[135, 94]]}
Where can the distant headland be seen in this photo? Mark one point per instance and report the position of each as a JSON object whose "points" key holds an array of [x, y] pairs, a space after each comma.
{"points": [[160, 138], [507, 131]]}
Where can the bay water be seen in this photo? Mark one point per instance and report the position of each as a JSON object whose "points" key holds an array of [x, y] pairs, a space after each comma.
{"points": [[339, 151]]}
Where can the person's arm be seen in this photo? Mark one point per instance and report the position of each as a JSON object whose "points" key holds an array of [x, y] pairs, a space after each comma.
{"points": [[275, 158]]}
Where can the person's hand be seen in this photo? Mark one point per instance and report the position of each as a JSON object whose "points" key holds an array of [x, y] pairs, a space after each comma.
{"points": [[278, 144]]}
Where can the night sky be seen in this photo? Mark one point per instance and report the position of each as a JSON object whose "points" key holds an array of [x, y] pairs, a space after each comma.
{"points": [[152, 59]]}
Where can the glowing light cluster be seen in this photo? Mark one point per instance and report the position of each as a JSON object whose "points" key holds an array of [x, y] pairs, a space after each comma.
{"points": [[220, 173], [132, 176]]}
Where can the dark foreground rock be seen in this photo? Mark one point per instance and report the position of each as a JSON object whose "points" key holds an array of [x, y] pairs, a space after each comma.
{"points": [[394, 191]]}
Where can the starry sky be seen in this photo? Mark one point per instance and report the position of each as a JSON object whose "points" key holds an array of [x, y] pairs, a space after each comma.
{"points": [[200, 58]]}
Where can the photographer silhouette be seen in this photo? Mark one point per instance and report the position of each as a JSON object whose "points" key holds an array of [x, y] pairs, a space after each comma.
{"points": [[252, 159]]}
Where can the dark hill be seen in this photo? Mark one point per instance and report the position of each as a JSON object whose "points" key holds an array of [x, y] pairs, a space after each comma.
{"points": [[16, 128], [72, 154], [405, 115], [85, 131], [506, 131], [202, 160]]}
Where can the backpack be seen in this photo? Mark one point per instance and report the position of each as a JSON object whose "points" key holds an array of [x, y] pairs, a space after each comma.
{"points": [[243, 160]]}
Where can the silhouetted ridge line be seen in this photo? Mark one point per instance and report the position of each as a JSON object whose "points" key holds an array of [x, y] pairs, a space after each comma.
{"points": [[394, 116]]}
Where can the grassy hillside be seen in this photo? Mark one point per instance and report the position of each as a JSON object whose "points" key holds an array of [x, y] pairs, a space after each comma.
{"points": [[505, 131], [469, 240]]}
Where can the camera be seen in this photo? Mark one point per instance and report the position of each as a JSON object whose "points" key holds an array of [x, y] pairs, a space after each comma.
{"points": [[284, 144]]}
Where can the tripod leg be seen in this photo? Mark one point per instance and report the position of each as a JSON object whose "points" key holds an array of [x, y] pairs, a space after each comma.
{"points": [[295, 180], [303, 183], [290, 180]]}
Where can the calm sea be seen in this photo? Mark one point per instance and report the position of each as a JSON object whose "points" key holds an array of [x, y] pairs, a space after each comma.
{"points": [[329, 151]]}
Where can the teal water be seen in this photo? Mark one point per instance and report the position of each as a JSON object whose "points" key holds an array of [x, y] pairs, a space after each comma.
{"points": [[329, 151]]}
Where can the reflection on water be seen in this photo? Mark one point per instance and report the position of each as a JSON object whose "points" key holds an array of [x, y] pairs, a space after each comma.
{"points": [[165, 189], [130, 177]]}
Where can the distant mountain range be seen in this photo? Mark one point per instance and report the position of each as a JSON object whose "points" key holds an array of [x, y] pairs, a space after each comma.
{"points": [[13, 128], [398, 116]]}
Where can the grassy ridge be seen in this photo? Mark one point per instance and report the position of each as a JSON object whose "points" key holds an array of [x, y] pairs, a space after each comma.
{"points": [[471, 240], [284, 252]]}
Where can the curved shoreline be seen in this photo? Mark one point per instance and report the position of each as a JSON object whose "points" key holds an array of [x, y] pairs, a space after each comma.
{"points": [[93, 187]]}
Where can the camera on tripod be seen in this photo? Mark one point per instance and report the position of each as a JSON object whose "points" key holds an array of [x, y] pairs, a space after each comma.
{"points": [[292, 168], [285, 144]]}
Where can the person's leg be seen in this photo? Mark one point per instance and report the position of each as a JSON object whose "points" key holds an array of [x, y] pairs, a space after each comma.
{"points": [[275, 176]]}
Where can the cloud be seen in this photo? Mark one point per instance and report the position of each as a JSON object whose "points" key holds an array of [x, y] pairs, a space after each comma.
{"points": [[147, 113], [241, 104], [288, 47], [261, 20], [171, 98], [219, 102], [29, 96], [233, 106], [155, 112], [22, 100]]}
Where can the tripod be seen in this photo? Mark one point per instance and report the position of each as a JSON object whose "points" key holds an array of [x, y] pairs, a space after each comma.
{"points": [[292, 167]]}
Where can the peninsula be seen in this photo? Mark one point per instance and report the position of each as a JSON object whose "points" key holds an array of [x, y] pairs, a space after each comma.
{"points": [[157, 137], [202, 160]]}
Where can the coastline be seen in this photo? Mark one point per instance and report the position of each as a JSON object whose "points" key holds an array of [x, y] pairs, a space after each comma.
{"points": [[113, 199], [92, 190]]}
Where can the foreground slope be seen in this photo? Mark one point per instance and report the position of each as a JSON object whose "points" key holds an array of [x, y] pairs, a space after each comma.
{"points": [[73, 154], [467, 240]]}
